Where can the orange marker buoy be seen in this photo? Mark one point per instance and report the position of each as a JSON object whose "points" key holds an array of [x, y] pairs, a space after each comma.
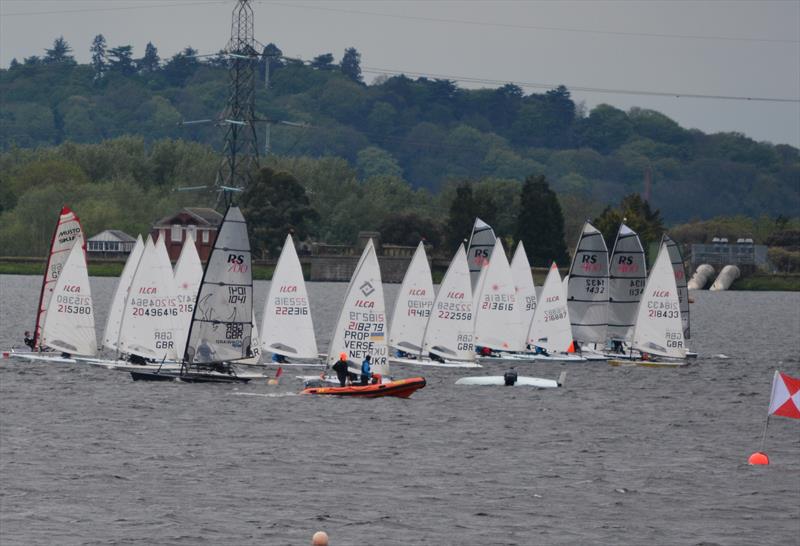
{"points": [[571, 348], [758, 458]]}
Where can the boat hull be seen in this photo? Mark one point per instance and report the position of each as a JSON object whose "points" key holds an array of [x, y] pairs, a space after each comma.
{"points": [[499, 381], [189, 377], [649, 363], [433, 363], [402, 388]]}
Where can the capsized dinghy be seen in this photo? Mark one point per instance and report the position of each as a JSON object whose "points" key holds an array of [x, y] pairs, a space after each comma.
{"points": [[511, 379]]}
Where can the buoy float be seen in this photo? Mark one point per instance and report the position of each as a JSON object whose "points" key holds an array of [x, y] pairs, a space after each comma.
{"points": [[758, 458]]}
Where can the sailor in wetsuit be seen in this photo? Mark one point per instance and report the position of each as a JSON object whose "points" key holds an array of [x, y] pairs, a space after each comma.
{"points": [[28, 339]]}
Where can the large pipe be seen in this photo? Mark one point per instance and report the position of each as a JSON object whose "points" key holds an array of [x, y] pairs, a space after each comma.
{"points": [[726, 277], [701, 277]]}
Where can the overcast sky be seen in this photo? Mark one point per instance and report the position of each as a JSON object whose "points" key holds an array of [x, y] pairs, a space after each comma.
{"points": [[731, 49]]}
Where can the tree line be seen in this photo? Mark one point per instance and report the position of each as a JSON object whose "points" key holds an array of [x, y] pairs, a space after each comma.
{"points": [[428, 133]]}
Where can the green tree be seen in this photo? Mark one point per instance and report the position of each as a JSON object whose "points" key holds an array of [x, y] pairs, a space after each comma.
{"points": [[374, 161], [409, 228], [541, 223], [351, 64], [98, 51], [636, 213], [151, 61], [60, 53], [120, 59], [606, 128], [323, 62], [463, 211], [275, 204]]}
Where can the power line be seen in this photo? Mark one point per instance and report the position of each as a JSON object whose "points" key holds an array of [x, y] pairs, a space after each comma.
{"points": [[586, 89], [117, 8], [534, 27]]}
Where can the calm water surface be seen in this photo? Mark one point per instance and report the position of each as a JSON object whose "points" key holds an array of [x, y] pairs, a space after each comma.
{"points": [[619, 456]]}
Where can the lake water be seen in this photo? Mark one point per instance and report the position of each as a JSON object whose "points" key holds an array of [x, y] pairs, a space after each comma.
{"points": [[619, 456]]}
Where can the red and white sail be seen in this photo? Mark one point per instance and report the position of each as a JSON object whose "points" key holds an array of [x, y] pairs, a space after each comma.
{"points": [[68, 233]]}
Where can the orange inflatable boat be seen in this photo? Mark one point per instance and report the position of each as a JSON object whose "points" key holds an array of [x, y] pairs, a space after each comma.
{"points": [[402, 388]]}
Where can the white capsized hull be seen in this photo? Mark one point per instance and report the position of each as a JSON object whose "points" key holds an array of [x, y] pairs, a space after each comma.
{"points": [[531, 357], [499, 380]]}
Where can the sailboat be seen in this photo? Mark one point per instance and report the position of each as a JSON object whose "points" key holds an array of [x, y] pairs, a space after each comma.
{"points": [[676, 258], [188, 274], [525, 288], [67, 234], [69, 323], [288, 328], [550, 330], [658, 331], [627, 278], [413, 307], [479, 249], [498, 322], [360, 332], [448, 337], [587, 294], [114, 319], [222, 321]]}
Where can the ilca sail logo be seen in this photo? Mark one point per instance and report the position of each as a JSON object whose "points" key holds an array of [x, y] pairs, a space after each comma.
{"points": [[366, 288]]}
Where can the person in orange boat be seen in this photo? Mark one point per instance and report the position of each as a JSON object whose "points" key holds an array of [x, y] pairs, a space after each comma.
{"points": [[341, 369]]}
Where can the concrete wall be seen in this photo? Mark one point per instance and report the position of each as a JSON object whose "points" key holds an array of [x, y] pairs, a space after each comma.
{"points": [[340, 268]]}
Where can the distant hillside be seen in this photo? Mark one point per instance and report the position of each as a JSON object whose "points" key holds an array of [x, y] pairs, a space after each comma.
{"points": [[425, 131]]}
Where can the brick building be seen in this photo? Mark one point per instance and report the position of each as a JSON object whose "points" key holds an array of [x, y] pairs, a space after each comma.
{"points": [[199, 223]]}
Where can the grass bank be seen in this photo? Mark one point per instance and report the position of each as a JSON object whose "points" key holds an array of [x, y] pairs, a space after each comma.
{"points": [[783, 283]]}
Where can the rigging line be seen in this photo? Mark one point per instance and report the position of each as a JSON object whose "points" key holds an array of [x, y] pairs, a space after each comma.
{"points": [[572, 88], [116, 8], [536, 27]]}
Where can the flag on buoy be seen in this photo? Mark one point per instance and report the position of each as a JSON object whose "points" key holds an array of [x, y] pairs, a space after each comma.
{"points": [[783, 401], [785, 398]]}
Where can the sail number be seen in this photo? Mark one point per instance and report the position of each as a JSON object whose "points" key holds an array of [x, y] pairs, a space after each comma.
{"points": [[74, 309], [555, 314], [237, 294], [155, 312], [455, 315], [595, 286]]}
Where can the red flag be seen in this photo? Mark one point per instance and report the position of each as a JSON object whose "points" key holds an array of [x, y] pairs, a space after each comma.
{"points": [[785, 398]]}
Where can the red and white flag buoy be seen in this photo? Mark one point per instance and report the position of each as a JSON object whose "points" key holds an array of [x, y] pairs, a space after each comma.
{"points": [[784, 401]]}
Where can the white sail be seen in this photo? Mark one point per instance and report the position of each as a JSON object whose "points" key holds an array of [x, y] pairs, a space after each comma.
{"points": [[255, 346], [148, 321], [627, 277], [413, 307], [498, 323], [68, 233], [114, 319], [679, 268], [550, 328], [361, 328], [479, 249], [188, 275], [588, 287], [222, 324], [69, 324], [288, 328], [658, 328], [525, 289], [449, 333]]}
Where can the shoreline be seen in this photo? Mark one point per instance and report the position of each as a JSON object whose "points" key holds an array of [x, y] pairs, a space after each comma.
{"points": [[263, 272]]}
